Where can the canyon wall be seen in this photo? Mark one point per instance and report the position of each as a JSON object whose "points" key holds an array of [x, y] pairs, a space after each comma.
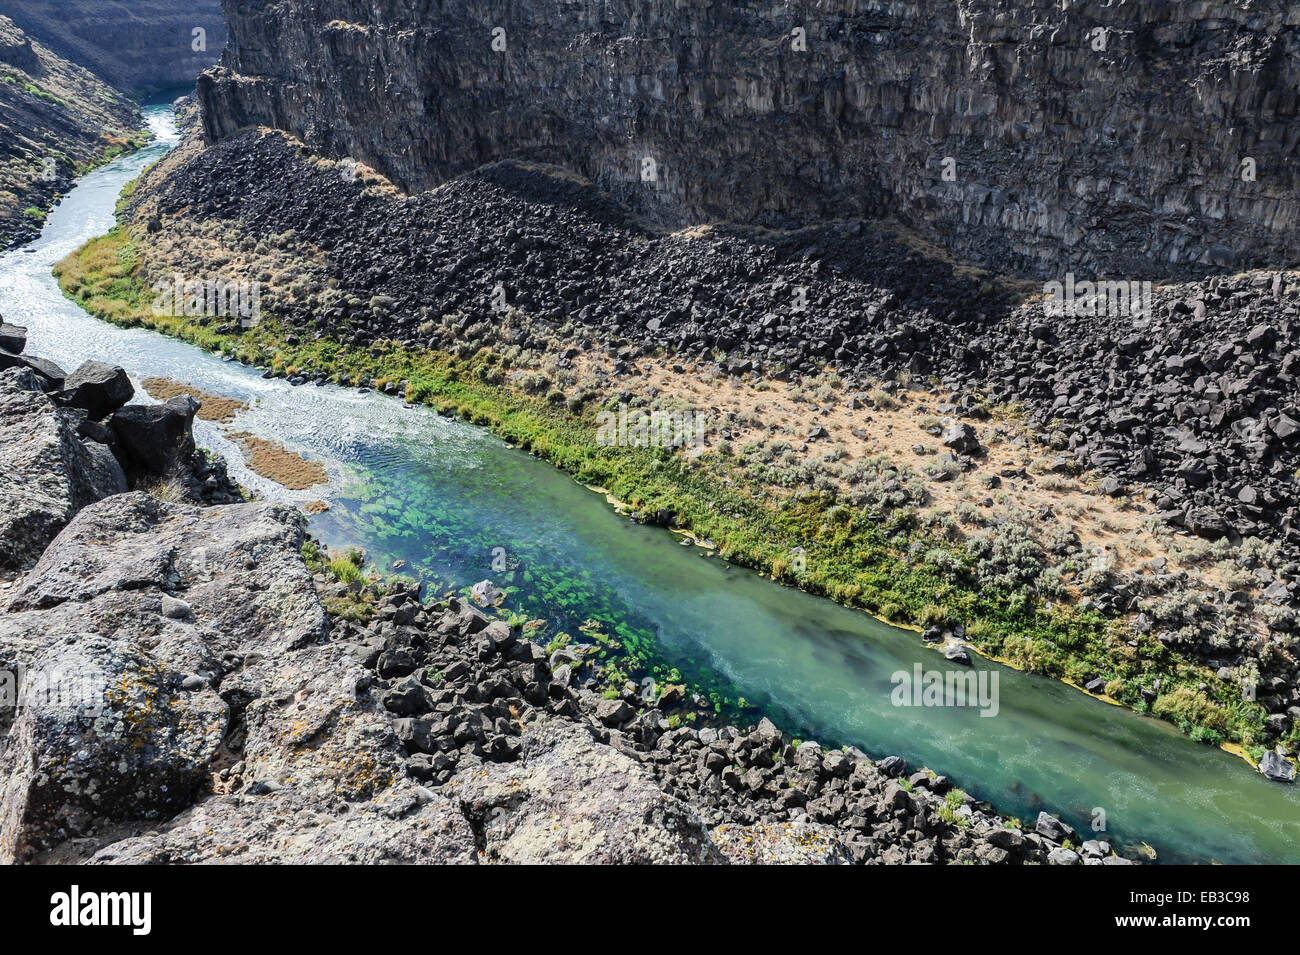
{"points": [[1128, 159], [56, 119], [132, 44]]}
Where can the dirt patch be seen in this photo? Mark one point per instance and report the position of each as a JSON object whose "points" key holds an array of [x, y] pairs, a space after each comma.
{"points": [[212, 407], [277, 463], [316, 507]]}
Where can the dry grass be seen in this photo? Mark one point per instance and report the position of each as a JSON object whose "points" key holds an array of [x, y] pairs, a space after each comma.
{"points": [[218, 408], [277, 463]]}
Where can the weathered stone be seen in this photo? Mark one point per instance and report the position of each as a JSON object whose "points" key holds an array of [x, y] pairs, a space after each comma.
{"points": [[97, 388], [156, 439], [48, 473]]}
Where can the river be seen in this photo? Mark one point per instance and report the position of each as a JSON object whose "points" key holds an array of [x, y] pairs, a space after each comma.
{"points": [[456, 504]]}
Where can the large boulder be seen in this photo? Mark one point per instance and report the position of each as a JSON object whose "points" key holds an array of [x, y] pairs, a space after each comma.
{"points": [[175, 687], [50, 375], [156, 440], [47, 473], [404, 825], [113, 733], [569, 799], [961, 438], [13, 338], [1277, 768], [97, 388]]}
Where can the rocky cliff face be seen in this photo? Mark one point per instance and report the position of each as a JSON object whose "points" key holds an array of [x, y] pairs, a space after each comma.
{"points": [[55, 119], [1097, 137], [131, 44]]}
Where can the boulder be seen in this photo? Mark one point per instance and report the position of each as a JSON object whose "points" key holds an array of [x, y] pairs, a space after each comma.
{"points": [[405, 825], [13, 338], [102, 601], [568, 800], [1277, 768], [961, 438], [156, 440], [957, 654], [613, 712], [98, 388], [49, 472], [1052, 828], [486, 593], [128, 741], [50, 375]]}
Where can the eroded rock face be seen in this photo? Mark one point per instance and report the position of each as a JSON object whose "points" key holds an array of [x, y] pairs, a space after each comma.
{"points": [[55, 117], [1042, 122], [92, 610], [132, 45], [49, 473]]}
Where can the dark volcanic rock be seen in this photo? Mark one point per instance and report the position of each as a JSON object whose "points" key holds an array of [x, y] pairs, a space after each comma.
{"points": [[51, 375], [98, 388], [988, 125], [13, 338], [156, 439]]}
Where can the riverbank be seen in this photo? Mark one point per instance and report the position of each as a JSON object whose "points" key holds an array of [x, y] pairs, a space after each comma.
{"points": [[58, 121], [860, 562]]}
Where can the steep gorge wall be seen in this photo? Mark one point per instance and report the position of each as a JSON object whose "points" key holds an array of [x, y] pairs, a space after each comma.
{"points": [[132, 44], [1126, 160]]}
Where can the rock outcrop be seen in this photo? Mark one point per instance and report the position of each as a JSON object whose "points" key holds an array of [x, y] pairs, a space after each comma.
{"points": [[50, 473], [93, 611], [68, 440], [1142, 139]]}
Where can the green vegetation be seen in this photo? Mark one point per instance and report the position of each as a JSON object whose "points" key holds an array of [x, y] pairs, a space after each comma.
{"points": [[34, 90], [877, 555], [363, 590], [952, 801]]}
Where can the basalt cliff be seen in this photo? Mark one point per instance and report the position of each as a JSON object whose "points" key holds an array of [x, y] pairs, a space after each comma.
{"points": [[1146, 139], [66, 71], [131, 44]]}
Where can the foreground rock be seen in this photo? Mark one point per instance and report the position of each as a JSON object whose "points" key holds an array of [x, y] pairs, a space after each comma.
{"points": [[221, 715], [49, 473], [97, 388], [67, 441], [138, 721]]}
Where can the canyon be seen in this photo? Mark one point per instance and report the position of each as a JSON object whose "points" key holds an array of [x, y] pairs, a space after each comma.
{"points": [[130, 44], [820, 228], [1153, 139], [67, 70]]}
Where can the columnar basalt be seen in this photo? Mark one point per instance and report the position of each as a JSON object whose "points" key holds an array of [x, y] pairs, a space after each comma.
{"points": [[1152, 138]]}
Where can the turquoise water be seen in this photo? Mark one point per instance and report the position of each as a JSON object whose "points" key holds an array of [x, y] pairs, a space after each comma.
{"points": [[454, 502]]}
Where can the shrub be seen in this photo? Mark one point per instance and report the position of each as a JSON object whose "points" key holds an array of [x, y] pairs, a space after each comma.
{"points": [[1186, 708]]}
